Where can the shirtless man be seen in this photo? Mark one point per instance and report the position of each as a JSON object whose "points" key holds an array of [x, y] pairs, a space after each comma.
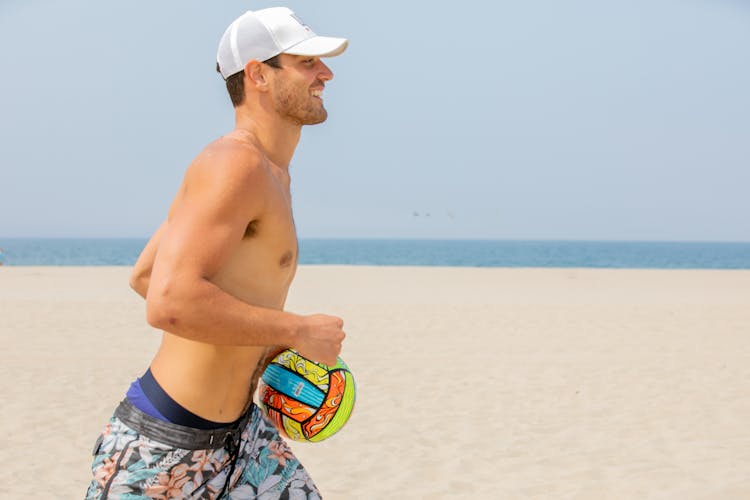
{"points": [[215, 277]]}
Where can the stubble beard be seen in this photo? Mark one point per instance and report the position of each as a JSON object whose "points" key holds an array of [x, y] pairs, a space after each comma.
{"points": [[298, 106]]}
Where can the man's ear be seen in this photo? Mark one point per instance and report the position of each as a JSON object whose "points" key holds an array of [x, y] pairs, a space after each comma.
{"points": [[256, 74]]}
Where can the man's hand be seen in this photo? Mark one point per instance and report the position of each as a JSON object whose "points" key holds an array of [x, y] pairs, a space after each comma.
{"points": [[320, 338]]}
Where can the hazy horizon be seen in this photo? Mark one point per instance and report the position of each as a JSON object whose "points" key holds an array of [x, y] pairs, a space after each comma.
{"points": [[401, 238]]}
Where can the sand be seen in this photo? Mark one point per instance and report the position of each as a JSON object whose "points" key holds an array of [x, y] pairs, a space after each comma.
{"points": [[472, 383]]}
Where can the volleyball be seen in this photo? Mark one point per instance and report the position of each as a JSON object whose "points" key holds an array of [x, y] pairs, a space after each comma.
{"points": [[307, 401]]}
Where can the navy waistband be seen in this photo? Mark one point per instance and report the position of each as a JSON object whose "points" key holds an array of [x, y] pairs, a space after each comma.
{"points": [[180, 436], [167, 407]]}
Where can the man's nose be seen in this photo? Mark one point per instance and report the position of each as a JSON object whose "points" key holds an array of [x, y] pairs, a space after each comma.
{"points": [[325, 72]]}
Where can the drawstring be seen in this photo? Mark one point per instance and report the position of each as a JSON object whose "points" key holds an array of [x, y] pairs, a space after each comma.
{"points": [[233, 444], [233, 447]]}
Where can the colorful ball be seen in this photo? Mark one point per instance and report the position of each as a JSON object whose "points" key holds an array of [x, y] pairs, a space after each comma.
{"points": [[306, 401]]}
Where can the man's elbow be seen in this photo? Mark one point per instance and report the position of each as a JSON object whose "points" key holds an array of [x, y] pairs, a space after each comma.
{"points": [[163, 308], [139, 284], [171, 307], [161, 314], [135, 278]]}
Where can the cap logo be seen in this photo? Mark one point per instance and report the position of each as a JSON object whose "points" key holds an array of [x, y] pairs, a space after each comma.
{"points": [[300, 21]]}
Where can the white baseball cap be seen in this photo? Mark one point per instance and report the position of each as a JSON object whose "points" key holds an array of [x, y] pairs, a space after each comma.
{"points": [[263, 34]]}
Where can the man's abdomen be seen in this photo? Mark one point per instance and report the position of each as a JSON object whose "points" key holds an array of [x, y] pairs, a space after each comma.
{"points": [[214, 382]]}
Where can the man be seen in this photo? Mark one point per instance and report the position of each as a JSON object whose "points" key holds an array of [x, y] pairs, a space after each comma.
{"points": [[215, 277]]}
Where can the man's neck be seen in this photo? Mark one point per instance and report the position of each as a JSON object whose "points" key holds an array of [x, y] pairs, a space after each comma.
{"points": [[276, 137]]}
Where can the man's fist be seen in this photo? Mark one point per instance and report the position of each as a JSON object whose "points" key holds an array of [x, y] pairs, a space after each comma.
{"points": [[319, 338]]}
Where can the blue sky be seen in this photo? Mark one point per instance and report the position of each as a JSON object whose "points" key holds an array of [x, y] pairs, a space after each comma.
{"points": [[501, 120]]}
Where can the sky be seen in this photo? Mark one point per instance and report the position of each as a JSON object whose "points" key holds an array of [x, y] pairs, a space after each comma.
{"points": [[495, 119]]}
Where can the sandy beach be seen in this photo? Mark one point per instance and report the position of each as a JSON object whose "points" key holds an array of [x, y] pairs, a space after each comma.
{"points": [[472, 383]]}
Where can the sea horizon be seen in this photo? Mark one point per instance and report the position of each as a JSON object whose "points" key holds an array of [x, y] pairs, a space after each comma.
{"points": [[467, 252]]}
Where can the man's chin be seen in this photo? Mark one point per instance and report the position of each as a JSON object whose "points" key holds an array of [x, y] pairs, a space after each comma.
{"points": [[314, 120]]}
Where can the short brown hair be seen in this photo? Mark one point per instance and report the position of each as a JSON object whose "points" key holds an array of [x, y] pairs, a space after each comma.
{"points": [[236, 82]]}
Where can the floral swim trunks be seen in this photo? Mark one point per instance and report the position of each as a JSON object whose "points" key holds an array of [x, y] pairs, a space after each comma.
{"points": [[140, 457]]}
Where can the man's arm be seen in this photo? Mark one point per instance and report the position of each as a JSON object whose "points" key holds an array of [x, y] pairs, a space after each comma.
{"points": [[221, 194], [141, 274]]}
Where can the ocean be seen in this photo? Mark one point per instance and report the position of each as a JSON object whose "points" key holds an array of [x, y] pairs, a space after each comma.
{"points": [[395, 252]]}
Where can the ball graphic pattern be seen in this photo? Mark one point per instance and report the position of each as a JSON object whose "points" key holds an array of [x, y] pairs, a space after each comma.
{"points": [[306, 401]]}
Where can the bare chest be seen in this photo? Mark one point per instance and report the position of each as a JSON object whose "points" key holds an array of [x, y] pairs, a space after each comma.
{"points": [[262, 267]]}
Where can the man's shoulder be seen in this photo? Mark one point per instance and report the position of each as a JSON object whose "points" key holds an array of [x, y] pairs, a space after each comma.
{"points": [[228, 151], [229, 160], [226, 175]]}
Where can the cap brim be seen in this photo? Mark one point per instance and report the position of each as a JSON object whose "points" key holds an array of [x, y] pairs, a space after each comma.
{"points": [[320, 46]]}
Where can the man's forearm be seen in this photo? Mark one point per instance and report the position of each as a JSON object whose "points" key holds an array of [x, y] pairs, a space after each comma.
{"points": [[203, 312]]}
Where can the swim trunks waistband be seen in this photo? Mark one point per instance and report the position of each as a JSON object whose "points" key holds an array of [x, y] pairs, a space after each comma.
{"points": [[148, 396], [180, 436]]}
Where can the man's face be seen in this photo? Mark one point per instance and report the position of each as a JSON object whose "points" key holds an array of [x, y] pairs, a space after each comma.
{"points": [[297, 88]]}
